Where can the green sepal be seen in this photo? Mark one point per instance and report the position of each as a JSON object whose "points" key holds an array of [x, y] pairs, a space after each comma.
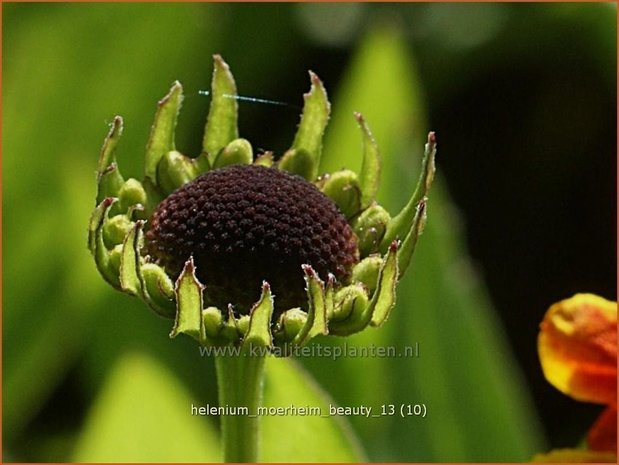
{"points": [[174, 170], [343, 188], [350, 304], [109, 179], [370, 227], [317, 315], [107, 155], [188, 292], [407, 247], [96, 243], [366, 272], [230, 331], [159, 289], [401, 224], [297, 161], [314, 119], [259, 331], [130, 194], [376, 311], [131, 279], [109, 182], [161, 140], [369, 176], [383, 298], [221, 122], [264, 159], [237, 152]]}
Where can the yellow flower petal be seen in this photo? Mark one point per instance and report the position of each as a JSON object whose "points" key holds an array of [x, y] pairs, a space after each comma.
{"points": [[575, 456], [578, 348]]}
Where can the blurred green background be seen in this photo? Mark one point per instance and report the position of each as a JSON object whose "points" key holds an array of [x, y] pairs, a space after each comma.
{"points": [[523, 100]]}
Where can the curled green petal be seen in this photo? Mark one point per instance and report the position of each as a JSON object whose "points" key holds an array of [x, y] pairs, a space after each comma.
{"points": [[317, 315], [237, 152], [96, 243], [221, 123], [405, 252], [107, 155], [159, 289], [343, 188], [189, 304], [349, 310], [308, 139], [370, 227], [401, 224], [131, 279], [161, 140], [369, 177], [376, 311], [230, 331], [383, 299], [109, 182], [259, 331], [174, 170]]}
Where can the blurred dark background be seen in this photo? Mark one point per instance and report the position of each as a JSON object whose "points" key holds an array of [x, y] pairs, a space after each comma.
{"points": [[523, 100]]}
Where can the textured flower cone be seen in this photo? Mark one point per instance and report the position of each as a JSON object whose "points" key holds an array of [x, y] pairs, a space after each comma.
{"points": [[240, 249], [246, 224]]}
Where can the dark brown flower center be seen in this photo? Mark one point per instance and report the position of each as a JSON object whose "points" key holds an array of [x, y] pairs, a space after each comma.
{"points": [[245, 224]]}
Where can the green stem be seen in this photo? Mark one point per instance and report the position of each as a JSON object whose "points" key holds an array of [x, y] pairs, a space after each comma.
{"points": [[240, 384]]}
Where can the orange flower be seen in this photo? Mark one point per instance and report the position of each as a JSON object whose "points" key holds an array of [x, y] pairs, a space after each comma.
{"points": [[577, 347]]}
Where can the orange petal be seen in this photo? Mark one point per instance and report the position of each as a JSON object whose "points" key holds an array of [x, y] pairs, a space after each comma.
{"points": [[577, 347], [603, 434]]}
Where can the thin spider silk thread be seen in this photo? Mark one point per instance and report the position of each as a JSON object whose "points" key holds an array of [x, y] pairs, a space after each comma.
{"points": [[243, 98]]}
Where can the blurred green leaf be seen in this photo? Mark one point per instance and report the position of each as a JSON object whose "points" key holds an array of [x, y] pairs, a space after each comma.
{"points": [[295, 438], [464, 372], [144, 415], [49, 161]]}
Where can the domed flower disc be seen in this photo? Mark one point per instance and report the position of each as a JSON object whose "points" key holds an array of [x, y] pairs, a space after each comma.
{"points": [[245, 224]]}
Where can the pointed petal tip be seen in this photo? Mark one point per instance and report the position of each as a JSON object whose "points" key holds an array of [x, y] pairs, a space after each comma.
{"points": [[108, 201], [314, 78], [394, 246], [117, 123], [219, 62], [308, 270], [431, 137]]}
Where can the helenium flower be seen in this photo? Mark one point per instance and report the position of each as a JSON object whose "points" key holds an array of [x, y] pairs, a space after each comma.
{"points": [[577, 346], [242, 248]]}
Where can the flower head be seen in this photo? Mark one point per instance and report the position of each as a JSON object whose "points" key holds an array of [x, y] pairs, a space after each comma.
{"points": [[578, 351], [245, 249]]}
